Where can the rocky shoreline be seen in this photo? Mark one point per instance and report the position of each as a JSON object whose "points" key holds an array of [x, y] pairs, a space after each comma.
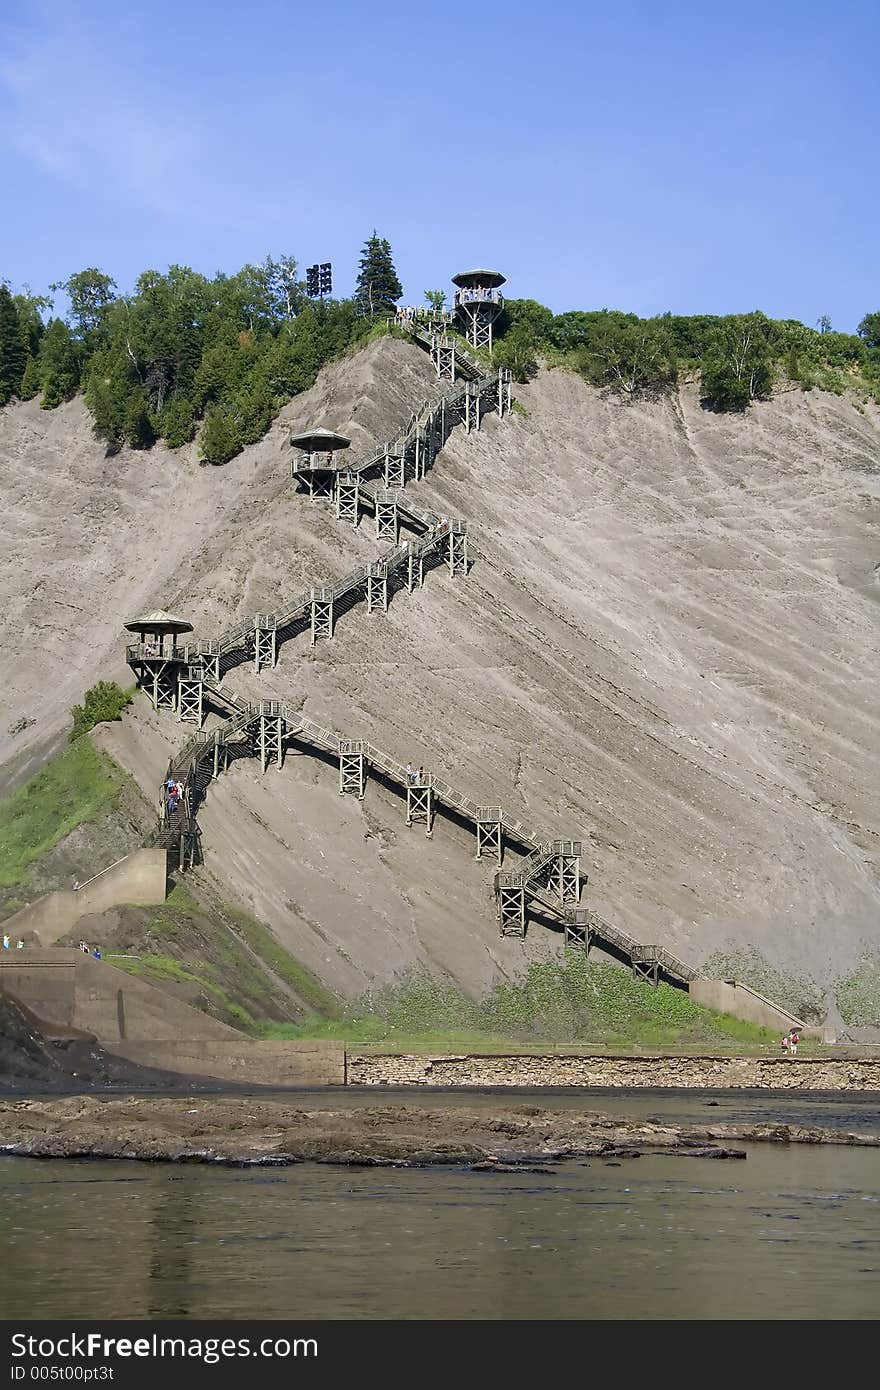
{"points": [[248, 1131]]}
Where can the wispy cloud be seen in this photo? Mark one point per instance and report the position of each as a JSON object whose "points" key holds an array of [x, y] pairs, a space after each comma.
{"points": [[78, 106]]}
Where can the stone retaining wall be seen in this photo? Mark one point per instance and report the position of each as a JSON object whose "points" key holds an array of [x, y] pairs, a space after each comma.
{"points": [[707, 1073]]}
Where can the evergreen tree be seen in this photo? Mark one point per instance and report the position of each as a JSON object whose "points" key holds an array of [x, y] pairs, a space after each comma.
{"points": [[59, 366], [378, 287], [177, 423], [138, 426], [30, 382], [13, 354], [219, 440], [107, 404], [30, 315]]}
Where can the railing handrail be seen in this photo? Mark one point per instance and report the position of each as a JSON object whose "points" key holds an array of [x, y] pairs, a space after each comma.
{"points": [[101, 872]]}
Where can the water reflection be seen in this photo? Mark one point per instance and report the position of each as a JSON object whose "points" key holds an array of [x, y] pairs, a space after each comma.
{"points": [[792, 1232], [173, 1235]]}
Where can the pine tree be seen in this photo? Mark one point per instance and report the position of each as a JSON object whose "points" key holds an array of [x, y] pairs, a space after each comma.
{"points": [[378, 287], [219, 440], [13, 354], [138, 426], [59, 366], [176, 423], [30, 382]]}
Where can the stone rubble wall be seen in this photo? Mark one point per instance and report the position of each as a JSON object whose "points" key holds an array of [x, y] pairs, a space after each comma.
{"points": [[707, 1073]]}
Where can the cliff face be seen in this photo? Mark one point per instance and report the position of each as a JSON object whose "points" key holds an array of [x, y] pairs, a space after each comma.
{"points": [[668, 643]]}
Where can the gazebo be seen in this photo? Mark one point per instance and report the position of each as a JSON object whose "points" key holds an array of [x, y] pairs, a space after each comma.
{"points": [[478, 302], [154, 629], [319, 441]]}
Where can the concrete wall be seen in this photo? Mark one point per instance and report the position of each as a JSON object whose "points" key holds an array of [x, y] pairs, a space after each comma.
{"points": [[141, 878], [68, 988], [244, 1061], [738, 1000]]}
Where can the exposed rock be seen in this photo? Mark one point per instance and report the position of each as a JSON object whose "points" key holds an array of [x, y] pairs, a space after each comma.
{"points": [[247, 1130]]}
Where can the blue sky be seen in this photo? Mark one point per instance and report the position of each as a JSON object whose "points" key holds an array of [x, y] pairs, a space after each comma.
{"points": [[643, 156]]}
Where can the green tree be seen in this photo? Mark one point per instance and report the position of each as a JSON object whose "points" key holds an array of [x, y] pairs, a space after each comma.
{"points": [[220, 439], [528, 315], [436, 300], [629, 354], [378, 288], [253, 410], [869, 329], [59, 365], [285, 293], [30, 314], [30, 382], [137, 425], [13, 353], [105, 701], [738, 366], [90, 292], [824, 324], [177, 422], [517, 351], [571, 330]]}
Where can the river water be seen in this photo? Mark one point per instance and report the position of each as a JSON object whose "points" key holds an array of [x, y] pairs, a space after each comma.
{"points": [[792, 1232]]}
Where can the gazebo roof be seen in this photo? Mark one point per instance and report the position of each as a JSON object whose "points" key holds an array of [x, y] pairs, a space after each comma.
{"points": [[158, 621], [486, 279], [319, 441]]}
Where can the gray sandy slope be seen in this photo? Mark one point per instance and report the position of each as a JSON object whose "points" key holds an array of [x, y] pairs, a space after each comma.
{"points": [[668, 643]]}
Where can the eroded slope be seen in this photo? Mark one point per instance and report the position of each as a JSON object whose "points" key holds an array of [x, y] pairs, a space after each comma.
{"points": [[669, 642]]}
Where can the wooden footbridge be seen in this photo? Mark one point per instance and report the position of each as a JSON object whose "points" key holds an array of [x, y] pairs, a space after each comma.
{"points": [[545, 884]]}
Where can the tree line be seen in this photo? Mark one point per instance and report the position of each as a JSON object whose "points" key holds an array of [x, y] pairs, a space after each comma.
{"points": [[184, 354], [738, 357]]}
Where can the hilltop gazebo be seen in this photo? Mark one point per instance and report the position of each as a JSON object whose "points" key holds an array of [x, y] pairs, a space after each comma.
{"points": [[478, 302], [318, 474], [159, 630]]}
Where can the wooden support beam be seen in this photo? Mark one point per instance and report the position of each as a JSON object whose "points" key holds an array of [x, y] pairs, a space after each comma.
{"points": [[265, 642], [420, 805], [415, 570], [377, 592], [352, 769], [387, 526], [457, 552], [512, 910], [348, 497], [489, 839], [566, 878], [190, 703], [321, 614]]}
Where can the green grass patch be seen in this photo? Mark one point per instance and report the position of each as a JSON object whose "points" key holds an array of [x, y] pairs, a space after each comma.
{"points": [[157, 969], [76, 786], [568, 1002], [263, 944], [182, 901]]}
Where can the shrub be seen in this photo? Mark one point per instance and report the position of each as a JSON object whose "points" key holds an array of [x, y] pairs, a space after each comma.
{"points": [[103, 703]]}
